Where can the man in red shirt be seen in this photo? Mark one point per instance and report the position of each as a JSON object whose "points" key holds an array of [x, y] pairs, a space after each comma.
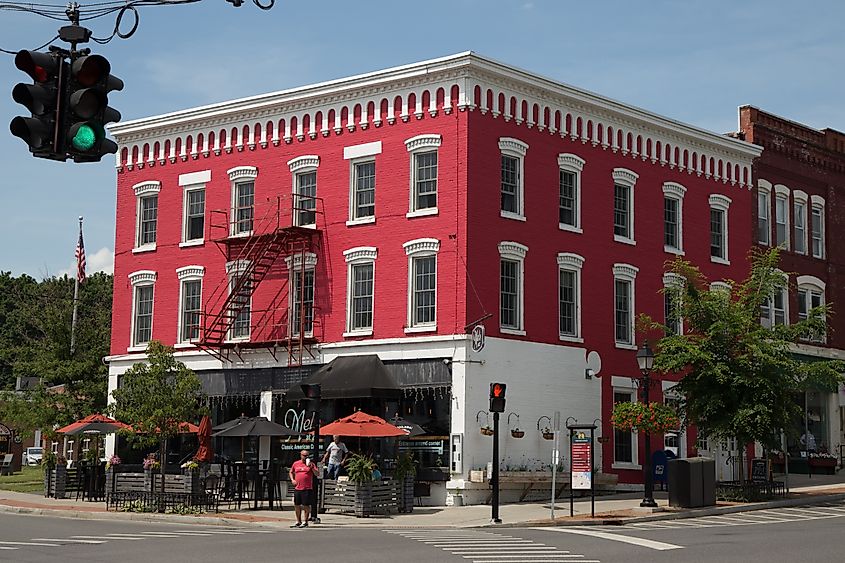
{"points": [[302, 474]]}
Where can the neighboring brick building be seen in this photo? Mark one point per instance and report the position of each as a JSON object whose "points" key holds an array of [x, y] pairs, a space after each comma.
{"points": [[450, 193], [800, 180]]}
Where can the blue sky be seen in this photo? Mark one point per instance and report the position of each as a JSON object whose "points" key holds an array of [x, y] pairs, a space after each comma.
{"points": [[695, 61]]}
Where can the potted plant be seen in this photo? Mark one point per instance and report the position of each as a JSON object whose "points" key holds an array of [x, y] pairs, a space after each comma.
{"points": [[548, 434], [517, 433], [404, 472], [486, 431]]}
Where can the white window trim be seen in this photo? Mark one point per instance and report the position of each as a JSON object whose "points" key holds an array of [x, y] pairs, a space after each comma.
{"points": [[817, 201], [509, 250], [571, 262], [626, 272], [236, 175], [765, 187], [517, 149], [354, 256], [302, 165], [144, 189], [720, 286], [626, 385], [140, 278], [183, 274], [234, 268], [722, 203], [569, 162], [801, 198], [421, 143], [294, 264], [352, 221], [364, 150], [676, 191], [671, 279], [782, 192], [625, 177], [192, 242], [810, 283], [771, 303], [418, 248]]}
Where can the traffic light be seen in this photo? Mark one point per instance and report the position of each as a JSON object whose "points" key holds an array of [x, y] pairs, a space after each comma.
{"points": [[87, 110], [497, 397], [43, 99]]}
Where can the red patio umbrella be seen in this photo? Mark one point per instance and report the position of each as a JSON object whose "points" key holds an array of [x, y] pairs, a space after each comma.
{"points": [[362, 425], [206, 450], [93, 423]]}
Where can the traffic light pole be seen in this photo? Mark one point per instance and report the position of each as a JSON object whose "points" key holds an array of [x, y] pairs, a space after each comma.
{"points": [[494, 479]]}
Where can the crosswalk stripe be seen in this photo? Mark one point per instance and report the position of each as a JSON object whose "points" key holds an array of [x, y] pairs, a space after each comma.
{"points": [[42, 544], [520, 558], [69, 540], [642, 542], [533, 561], [9, 548]]}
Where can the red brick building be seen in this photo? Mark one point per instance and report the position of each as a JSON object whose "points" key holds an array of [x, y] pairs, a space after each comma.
{"points": [[800, 178], [426, 199]]}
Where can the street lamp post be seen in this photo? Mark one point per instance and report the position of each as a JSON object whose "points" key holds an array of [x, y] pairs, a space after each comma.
{"points": [[645, 361]]}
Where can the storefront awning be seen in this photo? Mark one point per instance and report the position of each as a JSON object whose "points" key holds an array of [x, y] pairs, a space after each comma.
{"points": [[351, 377]]}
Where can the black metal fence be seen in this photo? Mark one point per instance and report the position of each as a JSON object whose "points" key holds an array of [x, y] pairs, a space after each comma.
{"points": [[170, 502]]}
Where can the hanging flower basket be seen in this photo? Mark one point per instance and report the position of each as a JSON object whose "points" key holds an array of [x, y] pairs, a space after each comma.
{"points": [[486, 431], [654, 418], [517, 433], [548, 434]]}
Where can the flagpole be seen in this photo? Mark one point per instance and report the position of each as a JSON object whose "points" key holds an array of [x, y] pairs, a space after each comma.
{"points": [[75, 299]]}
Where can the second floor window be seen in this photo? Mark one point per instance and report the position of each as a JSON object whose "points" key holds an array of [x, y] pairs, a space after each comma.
{"points": [[302, 303], [191, 309], [244, 207], [148, 216], [763, 230], [423, 290], [510, 184], [568, 297], [361, 313], [509, 293], [241, 306], [623, 312], [143, 315], [782, 221], [773, 310]]}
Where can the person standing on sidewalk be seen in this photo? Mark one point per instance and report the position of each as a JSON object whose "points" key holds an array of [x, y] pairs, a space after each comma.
{"points": [[302, 474], [336, 454]]}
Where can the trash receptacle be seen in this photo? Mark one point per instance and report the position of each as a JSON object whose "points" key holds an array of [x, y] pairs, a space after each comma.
{"points": [[692, 482]]}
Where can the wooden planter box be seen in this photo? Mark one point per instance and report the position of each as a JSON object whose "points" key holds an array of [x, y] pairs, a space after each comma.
{"points": [[363, 500], [406, 494]]}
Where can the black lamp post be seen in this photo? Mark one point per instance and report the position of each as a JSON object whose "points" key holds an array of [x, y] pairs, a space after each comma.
{"points": [[645, 361], [313, 392]]}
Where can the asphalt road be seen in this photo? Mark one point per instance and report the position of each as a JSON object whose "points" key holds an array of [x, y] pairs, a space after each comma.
{"points": [[779, 535]]}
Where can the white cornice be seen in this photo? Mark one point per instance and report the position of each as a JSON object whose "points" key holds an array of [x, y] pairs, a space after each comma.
{"points": [[428, 245], [468, 68], [307, 161], [142, 277], [625, 271], [295, 261], [242, 173], [674, 189], [719, 201], [360, 253], [148, 187], [237, 266], [188, 272], [513, 145]]}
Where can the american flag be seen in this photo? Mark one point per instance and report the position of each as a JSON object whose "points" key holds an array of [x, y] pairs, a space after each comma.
{"points": [[80, 258]]}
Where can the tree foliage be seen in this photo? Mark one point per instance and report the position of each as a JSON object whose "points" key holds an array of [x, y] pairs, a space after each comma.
{"points": [[156, 396], [35, 335], [740, 378]]}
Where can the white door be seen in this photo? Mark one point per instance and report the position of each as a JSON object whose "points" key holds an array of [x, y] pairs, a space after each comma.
{"points": [[724, 452]]}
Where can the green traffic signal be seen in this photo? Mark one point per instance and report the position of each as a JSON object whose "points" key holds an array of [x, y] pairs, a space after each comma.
{"points": [[84, 138]]}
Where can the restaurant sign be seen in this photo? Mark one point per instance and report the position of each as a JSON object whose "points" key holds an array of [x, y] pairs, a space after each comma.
{"points": [[581, 456], [297, 421]]}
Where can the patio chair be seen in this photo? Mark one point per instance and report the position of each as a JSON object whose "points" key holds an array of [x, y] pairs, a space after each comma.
{"points": [[213, 487], [6, 464]]}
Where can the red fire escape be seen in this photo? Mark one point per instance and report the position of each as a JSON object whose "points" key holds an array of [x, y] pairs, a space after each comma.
{"points": [[256, 242]]}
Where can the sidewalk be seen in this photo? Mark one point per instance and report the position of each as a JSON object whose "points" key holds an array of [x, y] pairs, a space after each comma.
{"points": [[616, 509]]}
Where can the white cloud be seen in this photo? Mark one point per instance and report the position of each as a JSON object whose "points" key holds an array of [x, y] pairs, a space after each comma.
{"points": [[100, 261]]}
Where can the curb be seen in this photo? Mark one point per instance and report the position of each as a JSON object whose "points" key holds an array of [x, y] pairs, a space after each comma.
{"points": [[236, 522], [693, 513]]}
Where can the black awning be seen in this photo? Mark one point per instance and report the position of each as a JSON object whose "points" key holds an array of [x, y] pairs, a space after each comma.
{"points": [[351, 377]]}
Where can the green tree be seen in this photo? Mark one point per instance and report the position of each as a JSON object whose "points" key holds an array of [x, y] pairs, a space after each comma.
{"points": [[155, 397], [35, 328], [739, 377]]}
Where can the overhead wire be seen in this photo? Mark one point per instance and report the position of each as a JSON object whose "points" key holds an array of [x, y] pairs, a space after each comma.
{"points": [[101, 9]]}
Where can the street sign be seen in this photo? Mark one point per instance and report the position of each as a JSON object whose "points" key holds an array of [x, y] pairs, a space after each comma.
{"points": [[582, 471], [478, 338]]}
